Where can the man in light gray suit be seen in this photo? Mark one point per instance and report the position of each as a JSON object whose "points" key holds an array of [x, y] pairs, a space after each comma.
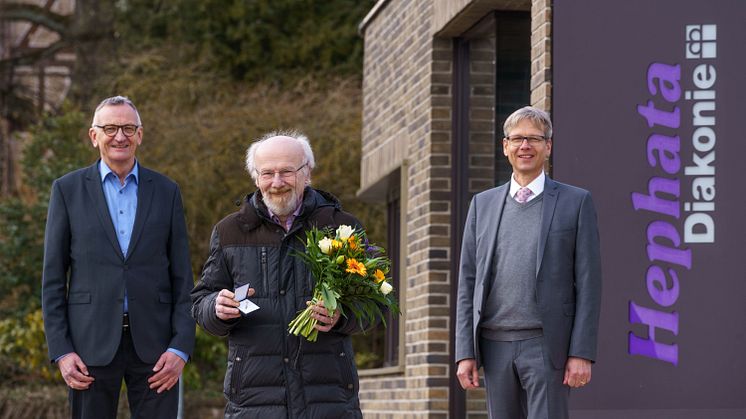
{"points": [[529, 289], [117, 276]]}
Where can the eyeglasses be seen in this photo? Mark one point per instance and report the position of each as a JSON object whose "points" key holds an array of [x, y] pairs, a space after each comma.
{"points": [[517, 140], [111, 130], [285, 174]]}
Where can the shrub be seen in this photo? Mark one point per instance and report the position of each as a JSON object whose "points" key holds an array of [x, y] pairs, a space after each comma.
{"points": [[23, 350]]}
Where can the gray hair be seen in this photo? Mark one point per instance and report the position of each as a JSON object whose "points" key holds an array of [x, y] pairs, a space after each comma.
{"points": [[298, 136], [116, 101], [535, 115]]}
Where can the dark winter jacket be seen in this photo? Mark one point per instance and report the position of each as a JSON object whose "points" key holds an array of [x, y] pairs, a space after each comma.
{"points": [[271, 373]]}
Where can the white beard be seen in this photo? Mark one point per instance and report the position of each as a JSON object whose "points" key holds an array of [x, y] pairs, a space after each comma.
{"points": [[281, 206]]}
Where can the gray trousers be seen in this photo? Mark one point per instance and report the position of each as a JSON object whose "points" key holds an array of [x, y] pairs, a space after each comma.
{"points": [[521, 382]]}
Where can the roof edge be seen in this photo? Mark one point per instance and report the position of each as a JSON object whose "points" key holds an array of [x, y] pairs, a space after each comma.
{"points": [[370, 16]]}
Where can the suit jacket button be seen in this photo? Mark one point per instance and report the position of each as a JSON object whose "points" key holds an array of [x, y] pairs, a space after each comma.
{"points": [[350, 386], [286, 360], [282, 292]]}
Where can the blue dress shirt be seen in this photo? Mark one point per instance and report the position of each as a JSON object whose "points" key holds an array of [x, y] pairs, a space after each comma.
{"points": [[122, 203]]}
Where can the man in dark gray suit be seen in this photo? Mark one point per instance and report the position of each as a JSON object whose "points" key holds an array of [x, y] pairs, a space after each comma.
{"points": [[529, 289], [117, 276]]}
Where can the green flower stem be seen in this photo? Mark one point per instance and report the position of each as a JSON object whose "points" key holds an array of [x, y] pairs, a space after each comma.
{"points": [[303, 324]]}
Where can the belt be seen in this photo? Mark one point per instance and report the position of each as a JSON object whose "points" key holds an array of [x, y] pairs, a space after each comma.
{"points": [[126, 321]]}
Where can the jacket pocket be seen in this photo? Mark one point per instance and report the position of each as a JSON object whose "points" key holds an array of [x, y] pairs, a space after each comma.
{"points": [[570, 230], [349, 381], [79, 298], [233, 372], [254, 379]]}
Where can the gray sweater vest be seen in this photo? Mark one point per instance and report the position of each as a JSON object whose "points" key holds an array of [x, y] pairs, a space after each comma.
{"points": [[511, 311]]}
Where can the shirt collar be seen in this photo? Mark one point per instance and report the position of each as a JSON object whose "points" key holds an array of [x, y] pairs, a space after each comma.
{"points": [[104, 170], [536, 185]]}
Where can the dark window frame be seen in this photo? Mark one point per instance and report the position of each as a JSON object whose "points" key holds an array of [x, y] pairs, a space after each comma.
{"points": [[393, 232], [490, 25]]}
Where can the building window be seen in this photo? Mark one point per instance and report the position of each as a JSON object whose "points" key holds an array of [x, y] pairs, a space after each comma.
{"points": [[512, 77], [391, 336], [491, 79], [380, 347]]}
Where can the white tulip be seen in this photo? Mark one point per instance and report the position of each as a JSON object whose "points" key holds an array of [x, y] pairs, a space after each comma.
{"points": [[386, 288], [344, 232], [325, 245]]}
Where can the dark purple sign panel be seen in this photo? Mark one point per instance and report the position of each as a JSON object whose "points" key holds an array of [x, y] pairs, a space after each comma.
{"points": [[650, 116]]}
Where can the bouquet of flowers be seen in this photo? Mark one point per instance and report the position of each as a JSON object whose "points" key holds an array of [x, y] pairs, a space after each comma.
{"points": [[348, 271]]}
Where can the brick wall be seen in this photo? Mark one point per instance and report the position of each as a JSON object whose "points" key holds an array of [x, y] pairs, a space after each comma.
{"points": [[541, 54], [407, 124], [482, 114], [407, 115]]}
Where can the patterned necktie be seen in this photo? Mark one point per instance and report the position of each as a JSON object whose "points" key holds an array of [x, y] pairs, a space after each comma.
{"points": [[522, 195]]}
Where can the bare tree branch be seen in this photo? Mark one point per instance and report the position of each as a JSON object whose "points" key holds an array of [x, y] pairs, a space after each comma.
{"points": [[35, 14], [34, 56]]}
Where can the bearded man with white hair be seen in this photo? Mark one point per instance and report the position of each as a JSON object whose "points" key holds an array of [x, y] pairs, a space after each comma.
{"points": [[271, 373]]}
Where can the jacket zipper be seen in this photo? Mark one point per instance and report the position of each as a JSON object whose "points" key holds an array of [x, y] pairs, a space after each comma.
{"points": [[265, 274], [309, 276]]}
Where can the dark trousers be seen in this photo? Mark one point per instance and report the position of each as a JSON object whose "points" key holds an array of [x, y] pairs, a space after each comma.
{"points": [[521, 382], [101, 399]]}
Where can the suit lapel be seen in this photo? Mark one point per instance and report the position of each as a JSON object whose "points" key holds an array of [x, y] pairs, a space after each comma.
{"points": [[491, 212], [550, 202], [144, 199], [96, 194]]}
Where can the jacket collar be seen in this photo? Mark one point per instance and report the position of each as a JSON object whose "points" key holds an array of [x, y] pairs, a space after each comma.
{"points": [[253, 211], [550, 203]]}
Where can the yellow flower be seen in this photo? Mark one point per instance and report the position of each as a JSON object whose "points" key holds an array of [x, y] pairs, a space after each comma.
{"points": [[336, 245], [352, 242], [355, 267], [379, 275]]}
